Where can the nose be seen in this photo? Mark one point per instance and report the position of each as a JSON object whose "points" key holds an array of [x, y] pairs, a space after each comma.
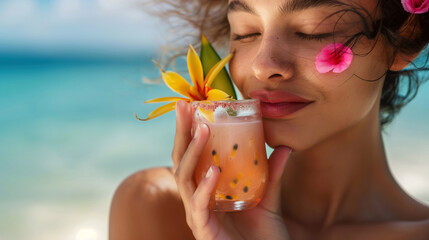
{"points": [[272, 63]]}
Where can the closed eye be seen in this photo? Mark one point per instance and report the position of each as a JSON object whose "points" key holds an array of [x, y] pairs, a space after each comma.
{"points": [[318, 37], [237, 37]]}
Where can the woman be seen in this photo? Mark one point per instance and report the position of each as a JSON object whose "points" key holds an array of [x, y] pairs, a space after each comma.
{"points": [[335, 183]]}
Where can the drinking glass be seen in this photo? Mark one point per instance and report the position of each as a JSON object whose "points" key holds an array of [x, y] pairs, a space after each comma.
{"points": [[237, 147]]}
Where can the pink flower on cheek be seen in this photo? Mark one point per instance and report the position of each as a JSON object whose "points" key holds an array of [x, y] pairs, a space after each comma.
{"points": [[415, 6], [334, 57]]}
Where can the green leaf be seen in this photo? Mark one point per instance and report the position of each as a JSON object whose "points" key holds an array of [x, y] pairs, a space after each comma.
{"points": [[231, 112], [209, 58]]}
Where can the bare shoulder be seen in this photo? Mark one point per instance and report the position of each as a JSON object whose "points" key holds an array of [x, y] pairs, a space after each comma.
{"points": [[146, 205]]}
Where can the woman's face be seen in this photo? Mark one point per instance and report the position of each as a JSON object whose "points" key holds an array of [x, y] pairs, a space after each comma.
{"points": [[275, 45]]}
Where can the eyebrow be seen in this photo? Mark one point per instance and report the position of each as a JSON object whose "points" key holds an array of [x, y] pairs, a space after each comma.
{"points": [[298, 5], [286, 7], [238, 6]]}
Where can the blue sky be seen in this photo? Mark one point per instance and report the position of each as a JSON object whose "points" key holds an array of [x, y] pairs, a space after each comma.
{"points": [[61, 26]]}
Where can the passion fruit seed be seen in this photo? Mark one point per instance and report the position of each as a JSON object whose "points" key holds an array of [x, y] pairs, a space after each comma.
{"points": [[215, 158]]}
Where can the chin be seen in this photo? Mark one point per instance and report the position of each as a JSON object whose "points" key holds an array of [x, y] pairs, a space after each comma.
{"points": [[277, 133], [275, 136], [292, 145]]}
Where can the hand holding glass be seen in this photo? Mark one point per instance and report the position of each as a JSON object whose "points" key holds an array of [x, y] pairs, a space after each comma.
{"points": [[237, 147]]}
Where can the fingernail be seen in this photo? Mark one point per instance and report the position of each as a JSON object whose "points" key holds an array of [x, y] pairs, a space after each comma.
{"points": [[180, 103], [209, 172], [287, 149], [197, 132]]}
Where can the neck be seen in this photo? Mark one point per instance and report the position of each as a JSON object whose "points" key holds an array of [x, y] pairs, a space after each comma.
{"points": [[332, 181]]}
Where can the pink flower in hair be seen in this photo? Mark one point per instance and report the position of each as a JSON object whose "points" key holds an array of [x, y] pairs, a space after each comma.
{"points": [[416, 6], [334, 57]]}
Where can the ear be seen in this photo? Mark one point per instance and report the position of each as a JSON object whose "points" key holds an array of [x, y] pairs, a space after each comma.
{"points": [[410, 30], [401, 61]]}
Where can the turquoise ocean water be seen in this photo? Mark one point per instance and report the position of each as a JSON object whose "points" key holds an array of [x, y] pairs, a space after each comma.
{"points": [[68, 137]]}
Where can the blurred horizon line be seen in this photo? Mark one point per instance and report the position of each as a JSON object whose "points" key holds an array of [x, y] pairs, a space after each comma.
{"points": [[23, 56]]}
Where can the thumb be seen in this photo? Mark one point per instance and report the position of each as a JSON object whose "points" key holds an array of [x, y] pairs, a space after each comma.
{"points": [[276, 165]]}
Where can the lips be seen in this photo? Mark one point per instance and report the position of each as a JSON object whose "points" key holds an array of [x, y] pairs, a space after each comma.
{"points": [[279, 104]]}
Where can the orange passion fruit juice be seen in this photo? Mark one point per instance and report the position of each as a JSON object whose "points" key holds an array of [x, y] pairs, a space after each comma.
{"points": [[237, 147]]}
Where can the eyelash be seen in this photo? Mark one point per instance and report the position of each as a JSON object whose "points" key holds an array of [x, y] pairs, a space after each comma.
{"points": [[317, 37], [237, 37]]}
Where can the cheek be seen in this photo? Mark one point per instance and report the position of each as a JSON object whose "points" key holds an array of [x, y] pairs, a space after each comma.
{"points": [[240, 68], [371, 60], [364, 74], [353, 102], [339, 108]]}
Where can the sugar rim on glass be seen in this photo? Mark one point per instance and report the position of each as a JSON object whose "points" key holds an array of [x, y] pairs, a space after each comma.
{"points": [[234, 104]]}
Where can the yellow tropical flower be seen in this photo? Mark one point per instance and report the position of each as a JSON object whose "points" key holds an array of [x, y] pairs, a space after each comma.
{"points": [[200, 90]]}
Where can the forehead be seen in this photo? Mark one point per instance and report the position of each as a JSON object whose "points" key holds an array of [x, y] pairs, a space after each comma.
{"points": [[287, 6]]}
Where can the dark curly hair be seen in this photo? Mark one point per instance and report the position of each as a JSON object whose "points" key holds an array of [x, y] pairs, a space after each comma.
{"points": [[408, 42], [407, 33]]}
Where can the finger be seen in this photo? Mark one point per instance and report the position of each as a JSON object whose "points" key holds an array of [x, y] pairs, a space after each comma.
{"points": [[183, 131], [199, 203], [185, 170], [277, 162]]}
